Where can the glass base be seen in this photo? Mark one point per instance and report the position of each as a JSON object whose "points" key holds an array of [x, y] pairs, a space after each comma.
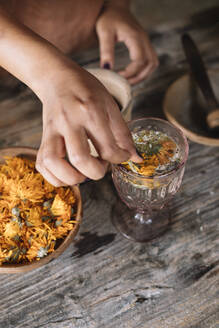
{"points": [[140, 227]]}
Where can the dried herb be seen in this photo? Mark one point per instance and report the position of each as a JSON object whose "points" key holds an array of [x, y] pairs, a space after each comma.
{"points": [[149, 149], [157, 151], [33, 213]]}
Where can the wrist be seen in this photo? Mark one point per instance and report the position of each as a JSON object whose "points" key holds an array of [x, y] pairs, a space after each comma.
{"points": [[54, 82], [49, 74]]}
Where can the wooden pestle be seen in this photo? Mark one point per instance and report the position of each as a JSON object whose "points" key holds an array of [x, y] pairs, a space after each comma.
{"points": [[201, 78]]}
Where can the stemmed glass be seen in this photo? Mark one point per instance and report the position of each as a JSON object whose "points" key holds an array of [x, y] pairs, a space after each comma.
{"points": [[146, 216]]}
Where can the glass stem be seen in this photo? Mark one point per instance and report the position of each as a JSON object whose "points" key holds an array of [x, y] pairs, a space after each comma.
{"points": [[144, 217]]}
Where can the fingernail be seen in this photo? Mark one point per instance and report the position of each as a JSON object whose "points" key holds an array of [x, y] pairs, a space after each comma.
{"points": [[137, 157], [106, 66]]}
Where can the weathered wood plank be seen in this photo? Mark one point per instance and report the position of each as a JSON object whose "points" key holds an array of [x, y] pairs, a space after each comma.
{"points": [[103, 280]]}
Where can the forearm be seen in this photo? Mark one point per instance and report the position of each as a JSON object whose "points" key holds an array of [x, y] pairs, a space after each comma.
{"points": [[25, 54]]}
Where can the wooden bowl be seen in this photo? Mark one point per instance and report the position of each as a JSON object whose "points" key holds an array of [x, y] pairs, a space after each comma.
{"points": [[118, 87], [24, 267], [121, 91], [184, 107]]}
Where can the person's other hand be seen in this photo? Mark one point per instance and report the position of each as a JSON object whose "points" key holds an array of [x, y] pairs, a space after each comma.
{"points": [[76, 106], [116, 24]]}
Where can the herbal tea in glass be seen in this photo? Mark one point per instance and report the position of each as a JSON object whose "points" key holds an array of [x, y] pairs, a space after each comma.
{"points": [[148, 186]]}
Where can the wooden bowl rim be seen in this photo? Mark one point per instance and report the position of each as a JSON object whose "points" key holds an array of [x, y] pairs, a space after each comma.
{"points": [[113, 78], [24, 267], [191, 135]]}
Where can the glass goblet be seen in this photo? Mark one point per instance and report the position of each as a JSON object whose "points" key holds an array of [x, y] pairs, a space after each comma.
{"points": [[145, 215]]}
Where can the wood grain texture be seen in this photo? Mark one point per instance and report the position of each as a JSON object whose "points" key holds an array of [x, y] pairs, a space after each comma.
{"points": [[182, 107], [104, 280]]}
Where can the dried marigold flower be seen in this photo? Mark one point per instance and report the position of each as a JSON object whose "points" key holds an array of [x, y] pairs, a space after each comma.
{"points": [[156, 150], [33, 213]]}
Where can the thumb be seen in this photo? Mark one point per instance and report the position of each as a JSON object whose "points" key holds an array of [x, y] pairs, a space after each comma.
{"points": [[107, 43]]}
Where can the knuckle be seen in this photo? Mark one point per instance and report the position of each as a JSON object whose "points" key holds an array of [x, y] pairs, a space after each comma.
{"points": [[47, 159], [89, 106], [77, 159], [89, 100], [134, 34], [62, 116], [109, 152], [105, 33], [123, 132], [115, 155], [74, 179], [119, 160]]}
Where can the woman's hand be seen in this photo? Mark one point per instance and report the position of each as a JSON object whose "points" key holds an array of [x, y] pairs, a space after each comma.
{"points": [[116, 24], [76, 107]]}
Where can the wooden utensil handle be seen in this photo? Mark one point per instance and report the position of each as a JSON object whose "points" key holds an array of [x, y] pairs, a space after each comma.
{"points": [[199, 72]]}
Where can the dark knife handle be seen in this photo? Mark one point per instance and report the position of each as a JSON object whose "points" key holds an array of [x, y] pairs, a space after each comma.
{"points": [[198, 71]]}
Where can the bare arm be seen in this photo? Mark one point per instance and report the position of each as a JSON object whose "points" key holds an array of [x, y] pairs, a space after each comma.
{"points": [[25, 54], [75, 106]]}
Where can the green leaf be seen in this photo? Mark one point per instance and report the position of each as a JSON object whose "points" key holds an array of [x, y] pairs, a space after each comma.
{"points": [[42, 252], [15, 211], [46, 218], [16, 238], [28, 224], [58, 223], [149, 149], [47, 203]]}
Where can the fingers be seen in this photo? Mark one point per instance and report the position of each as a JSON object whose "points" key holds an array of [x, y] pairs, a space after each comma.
{"points": [[143, 59], [48, 175], [137, 56], [101, 135], [106, 146], [122, 134], [79, 155], [134, 67], [107, 43], [142, 75], [51, 164]]}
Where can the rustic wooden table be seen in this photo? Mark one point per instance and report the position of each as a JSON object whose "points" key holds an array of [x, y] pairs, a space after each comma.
{"points": [[104, 280]]}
